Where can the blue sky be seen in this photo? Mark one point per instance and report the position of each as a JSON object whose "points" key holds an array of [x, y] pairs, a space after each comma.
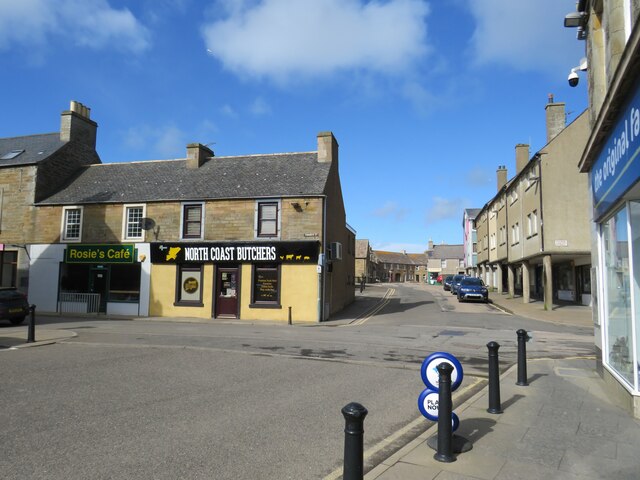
{"points": [[425, 98]]}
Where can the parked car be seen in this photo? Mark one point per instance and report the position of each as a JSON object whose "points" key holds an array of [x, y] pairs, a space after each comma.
{"points": [[439, 279], [456, 282], [446, 285], [472, 288], [13, 305]]}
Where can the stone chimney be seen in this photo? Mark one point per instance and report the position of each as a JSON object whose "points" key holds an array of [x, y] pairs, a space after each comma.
{"points": [[327, 148], [76, 126], [522, 156], [556, 118], [197, 154], [430, 247], [501, 175]]}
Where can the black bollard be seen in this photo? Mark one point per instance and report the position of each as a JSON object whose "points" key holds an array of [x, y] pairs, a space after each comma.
{"points": [[522, 357], [494, 379], [31, 334], [444, 452], [354, 414]]}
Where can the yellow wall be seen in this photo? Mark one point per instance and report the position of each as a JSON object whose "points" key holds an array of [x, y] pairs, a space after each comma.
{"points": [[162, 293], [298, 290]]}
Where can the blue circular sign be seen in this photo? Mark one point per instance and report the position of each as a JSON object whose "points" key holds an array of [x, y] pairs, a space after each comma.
{"points": [[428, 404], [429, 370]]}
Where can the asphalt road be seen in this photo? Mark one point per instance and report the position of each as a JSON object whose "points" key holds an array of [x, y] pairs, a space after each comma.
{"points": [[166, 400]]}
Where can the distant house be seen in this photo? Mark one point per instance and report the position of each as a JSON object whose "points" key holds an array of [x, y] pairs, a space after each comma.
{"points": [[366, 261], [444, 259], [395, 266]]}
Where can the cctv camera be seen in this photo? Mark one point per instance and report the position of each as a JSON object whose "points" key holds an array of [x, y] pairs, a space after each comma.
{"points": [[573, 79]]}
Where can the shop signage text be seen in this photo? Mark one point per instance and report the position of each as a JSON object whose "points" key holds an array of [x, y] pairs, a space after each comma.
{"points": [[100, 254], [617, 167], [272, 252]]}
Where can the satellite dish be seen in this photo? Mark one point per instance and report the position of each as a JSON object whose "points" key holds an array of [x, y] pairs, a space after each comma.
{"points": [[147, 223]]}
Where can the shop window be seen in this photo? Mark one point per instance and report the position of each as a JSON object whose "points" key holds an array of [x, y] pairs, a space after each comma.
{"points": [[132, 226], [189, 285], [71, 224], [192, 220], [124, 283], [265, 286], [9, 266], [124, 280], [267, 219], [615, 242]]}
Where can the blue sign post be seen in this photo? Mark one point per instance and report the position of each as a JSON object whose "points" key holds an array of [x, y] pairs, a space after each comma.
{"points": [[428, 399]]}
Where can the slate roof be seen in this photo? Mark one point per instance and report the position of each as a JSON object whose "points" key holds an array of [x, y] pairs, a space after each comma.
{"points": [[36, 148], [252, 176], [472, 212], [393, 257], [445, 252]]}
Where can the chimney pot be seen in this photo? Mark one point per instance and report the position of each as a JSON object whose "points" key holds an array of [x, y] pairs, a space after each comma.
{"points": [[75, 125], [501, 174]]}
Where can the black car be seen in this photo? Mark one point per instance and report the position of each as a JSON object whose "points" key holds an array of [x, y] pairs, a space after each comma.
{"points": [[446, 285], [456, 282], [472, 288], [13, 305]]}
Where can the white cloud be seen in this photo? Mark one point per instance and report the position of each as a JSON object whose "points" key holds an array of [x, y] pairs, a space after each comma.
{"points": [[445, 209], [260, 107], [391, 210], [478, 177], [287, 39], [524, 35], [167, 141], [228, 111], [88, 23]]}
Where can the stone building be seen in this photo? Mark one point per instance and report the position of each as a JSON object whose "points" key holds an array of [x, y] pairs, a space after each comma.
{"points": [[255, 237], [611, 30], [32, 167], [533, 235]]}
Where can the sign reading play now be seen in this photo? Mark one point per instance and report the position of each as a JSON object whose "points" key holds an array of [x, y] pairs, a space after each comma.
{"points": [[429, 398]]}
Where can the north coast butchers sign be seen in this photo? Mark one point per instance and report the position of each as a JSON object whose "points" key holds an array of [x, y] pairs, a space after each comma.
{"points": [[255, 252]]}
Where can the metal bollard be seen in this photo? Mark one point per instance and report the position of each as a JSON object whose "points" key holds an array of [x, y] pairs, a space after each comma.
{"points": [[290, 321], [522, 357], [354, 414], [494, 379], [31, 335], [444, 452]]}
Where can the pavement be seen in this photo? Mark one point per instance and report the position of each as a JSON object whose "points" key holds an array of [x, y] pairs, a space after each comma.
{"points": [[559, 426]]}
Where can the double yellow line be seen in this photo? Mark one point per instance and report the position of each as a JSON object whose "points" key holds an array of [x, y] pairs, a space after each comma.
{"points": [[384, 301]]}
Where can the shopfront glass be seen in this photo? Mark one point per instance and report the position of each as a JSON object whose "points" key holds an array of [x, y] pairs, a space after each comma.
{"points": [[634, 208], [615, 244]]}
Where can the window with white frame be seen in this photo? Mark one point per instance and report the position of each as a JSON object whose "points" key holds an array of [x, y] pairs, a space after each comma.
{"points": [[532, 223], [267, 218], [131, 226], [72, 224], [192, 220]]}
